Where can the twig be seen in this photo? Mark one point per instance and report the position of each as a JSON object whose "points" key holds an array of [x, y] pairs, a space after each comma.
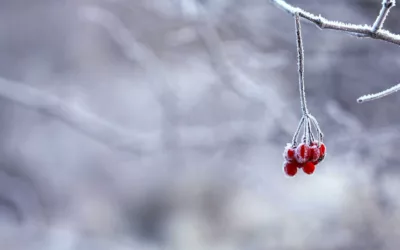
{"points": [[379, 95], [296, 134], [323, 23], [386, 6]]}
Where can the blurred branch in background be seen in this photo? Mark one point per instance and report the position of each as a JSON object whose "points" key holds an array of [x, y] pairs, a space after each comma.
{"points": [[159, 82], [78, 118], [229, 75], [235, 79], [117, 137], [113, 135]]}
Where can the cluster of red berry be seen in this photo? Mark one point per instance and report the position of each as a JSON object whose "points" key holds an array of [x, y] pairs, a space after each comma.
{"points": [[303, 156]]}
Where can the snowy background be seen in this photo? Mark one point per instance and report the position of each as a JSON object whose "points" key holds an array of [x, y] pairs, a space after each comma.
{"points": [[160, 124]]}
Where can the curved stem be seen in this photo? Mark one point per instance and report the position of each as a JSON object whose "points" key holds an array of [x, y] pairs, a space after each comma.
{"points": [[296, 134], [316, 125]]}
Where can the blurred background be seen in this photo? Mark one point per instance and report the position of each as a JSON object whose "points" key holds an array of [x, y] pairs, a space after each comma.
{"points": [[160, 124]]}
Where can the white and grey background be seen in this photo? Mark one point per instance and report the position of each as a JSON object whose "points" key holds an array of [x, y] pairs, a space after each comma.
{"points": [[206, 169]]}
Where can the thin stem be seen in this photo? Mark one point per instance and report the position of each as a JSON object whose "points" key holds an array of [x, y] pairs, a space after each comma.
{"points": [[296, 134], [379, 95], [317, 127], [380, 20], [310, 132], [307, 130], [300, 62]]}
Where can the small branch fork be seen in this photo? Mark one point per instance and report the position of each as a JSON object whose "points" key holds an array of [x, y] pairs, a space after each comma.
{"points": [[375, 31]]}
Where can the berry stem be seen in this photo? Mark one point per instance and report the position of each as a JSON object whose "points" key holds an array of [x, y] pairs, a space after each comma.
{"points": [[316, 125], [296, 134], [310, 131], [307, 130], [300, 63]]}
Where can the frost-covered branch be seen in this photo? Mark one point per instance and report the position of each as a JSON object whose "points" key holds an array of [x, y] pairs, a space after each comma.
{"points": [[357, 29], [386, 6], [375, 31], [379, 95]]}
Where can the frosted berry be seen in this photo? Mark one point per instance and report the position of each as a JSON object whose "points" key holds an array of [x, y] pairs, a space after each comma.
{"points": [[302, 153], [289, 153], [309, 168], [315, 153], [322, 150], [290, 168]]}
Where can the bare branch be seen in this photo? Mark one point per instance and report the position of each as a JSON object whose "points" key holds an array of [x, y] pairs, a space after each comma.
{"points": [[386, 6], [359, 30], [371, 97]]}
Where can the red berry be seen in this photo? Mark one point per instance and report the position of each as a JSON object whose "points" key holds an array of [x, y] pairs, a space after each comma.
{"points": [[322, 150], [289, 153], [302, 153], [309, 168], [315, 153], [290, 168]]}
